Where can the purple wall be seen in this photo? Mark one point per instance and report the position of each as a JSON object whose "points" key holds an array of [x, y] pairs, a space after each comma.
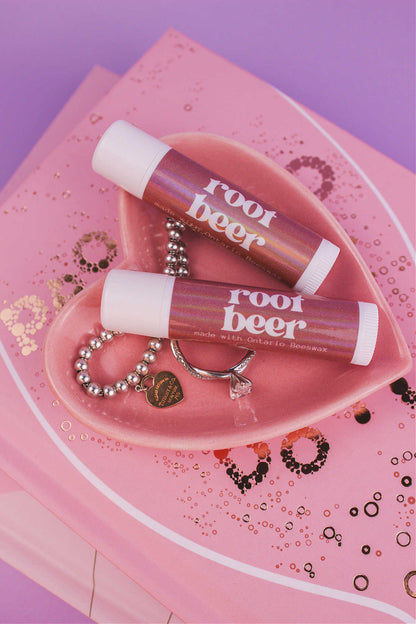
{"points": [[352, 61]]}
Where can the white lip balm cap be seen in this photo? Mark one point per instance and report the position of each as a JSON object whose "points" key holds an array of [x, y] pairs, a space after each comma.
{"points": [[128, 156], [137, 303], [318, 268], [367, 333]]}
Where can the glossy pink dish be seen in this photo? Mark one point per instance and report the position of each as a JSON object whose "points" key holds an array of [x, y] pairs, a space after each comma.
{"points": [[290, 391]]}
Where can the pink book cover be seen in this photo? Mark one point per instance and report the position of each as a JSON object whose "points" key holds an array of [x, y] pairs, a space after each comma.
{"points": [[330, 542]]}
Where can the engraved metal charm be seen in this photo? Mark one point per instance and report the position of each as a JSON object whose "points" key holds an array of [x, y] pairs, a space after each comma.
{"points": [[164, 389]]}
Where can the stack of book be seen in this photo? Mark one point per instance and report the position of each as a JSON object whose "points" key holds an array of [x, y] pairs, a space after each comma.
{"points": [[129, 533]]}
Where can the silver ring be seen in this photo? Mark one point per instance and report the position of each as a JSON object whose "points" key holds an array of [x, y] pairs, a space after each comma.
{"points": [[239, 385]]}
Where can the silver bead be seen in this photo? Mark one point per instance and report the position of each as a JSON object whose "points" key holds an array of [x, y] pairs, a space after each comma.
{"points": [[170, 259], [174, 235], [181, 248], [132, 378], [83, 378], [155, 344], [95, 343], [172, 247], [142, 368], [169, 271], [182, 272], [94, 389], [84, 353], [170, 224], [121, 386], [149, 356], [179, 226], [106, 335], [183, 259], [81, 365], [109, 392]]}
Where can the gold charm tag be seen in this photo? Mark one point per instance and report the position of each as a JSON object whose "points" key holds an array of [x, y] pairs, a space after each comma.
{"points": [[165, 390]]}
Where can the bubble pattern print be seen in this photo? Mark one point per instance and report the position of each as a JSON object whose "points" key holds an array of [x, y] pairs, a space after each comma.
{"points": [[332, 505]]}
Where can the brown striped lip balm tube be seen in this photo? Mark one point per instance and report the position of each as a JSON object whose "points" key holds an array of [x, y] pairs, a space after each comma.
{"points": [[153, 304], [214, 207]]}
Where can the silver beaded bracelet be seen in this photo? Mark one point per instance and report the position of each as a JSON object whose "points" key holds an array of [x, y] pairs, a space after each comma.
{"points": [[170, 390], [122, 385]]}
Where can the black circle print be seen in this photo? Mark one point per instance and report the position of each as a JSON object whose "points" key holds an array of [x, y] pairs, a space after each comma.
{"points": [[329, 532], [247, 481], [88, 239], [326, 172], [294, 465], [371, 509], [362, 415], [361, 582], [401, 387], [72, 279]]}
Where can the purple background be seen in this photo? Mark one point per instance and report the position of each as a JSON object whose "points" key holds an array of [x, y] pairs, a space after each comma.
{"points": [[352, 61]]}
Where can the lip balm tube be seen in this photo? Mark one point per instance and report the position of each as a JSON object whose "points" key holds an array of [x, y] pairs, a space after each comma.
{"points": [[214, 207], [161, 305]]}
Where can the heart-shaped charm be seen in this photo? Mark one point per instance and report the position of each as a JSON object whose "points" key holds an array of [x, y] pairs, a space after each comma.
{"points": [[165, 390]]}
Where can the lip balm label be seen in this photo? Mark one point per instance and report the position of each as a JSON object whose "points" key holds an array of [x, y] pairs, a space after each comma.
{"points": [[219, 210], [248, 317]]}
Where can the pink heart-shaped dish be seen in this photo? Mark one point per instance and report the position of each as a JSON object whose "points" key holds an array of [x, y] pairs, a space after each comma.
{"points": [[289, 390]]}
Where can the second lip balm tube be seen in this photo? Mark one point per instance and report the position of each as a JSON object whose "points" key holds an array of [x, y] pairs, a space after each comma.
{"points": [[160, 305], [161, 176]]}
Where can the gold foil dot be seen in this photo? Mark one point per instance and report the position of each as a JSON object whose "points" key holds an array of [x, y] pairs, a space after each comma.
{"points": [[66, 194], [10, 317], [57, 174], [196, 520], [94, 118], [71, 437], [196, 466], [17, 329], [263, 506], [203, 474], [84, 436], [66, 425], [55, 403], [246, 518], [5, 315]]}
